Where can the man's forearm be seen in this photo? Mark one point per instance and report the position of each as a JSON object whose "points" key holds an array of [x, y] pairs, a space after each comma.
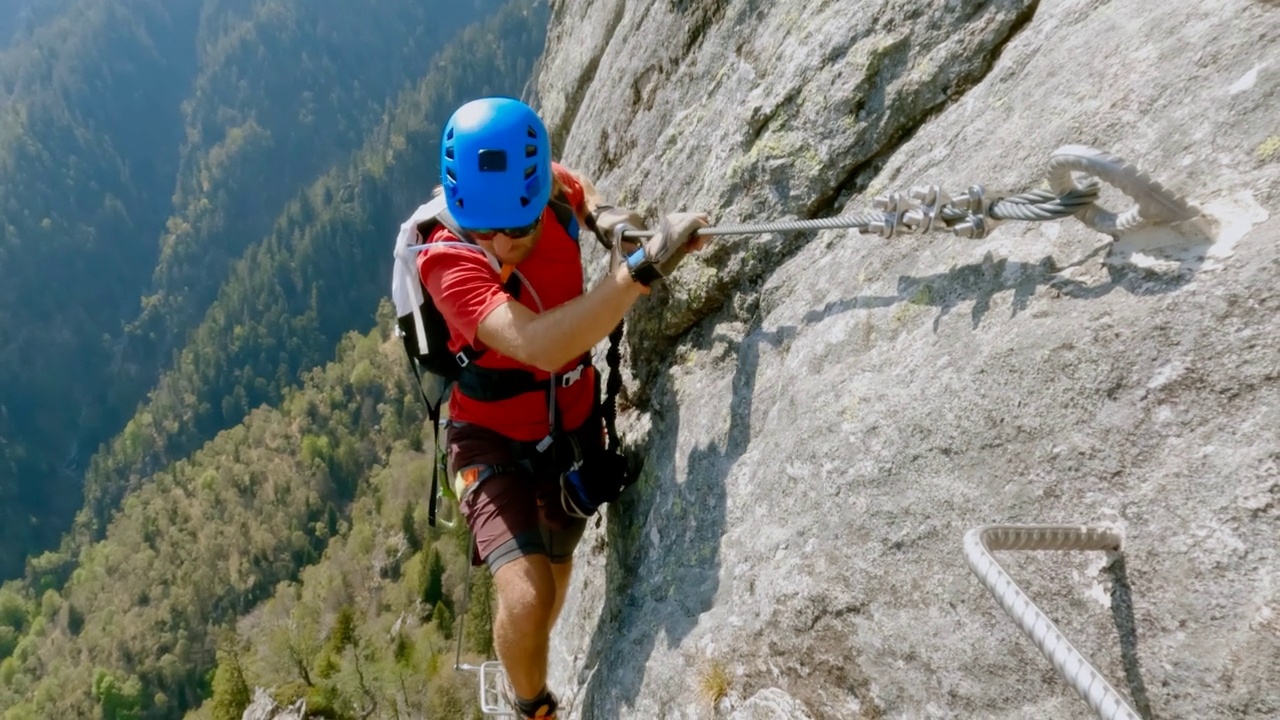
{"points": [[551, 339], [575, 327]]}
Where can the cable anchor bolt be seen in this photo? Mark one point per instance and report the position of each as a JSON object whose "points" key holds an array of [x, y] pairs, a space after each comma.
{"points": [[927, 202], [891, 206], [977, 203]]}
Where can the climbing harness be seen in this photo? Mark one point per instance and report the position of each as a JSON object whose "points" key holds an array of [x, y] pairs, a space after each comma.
{"points": [[1069, 662], [976, 212], [422, 329]]}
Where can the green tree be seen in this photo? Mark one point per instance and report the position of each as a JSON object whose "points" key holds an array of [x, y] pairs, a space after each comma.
{"points": [[409, 526], [447, 697], [433, 578], [343, 634], [8, 641], [14, 612], [403, 649], [230, 691], [118, 700], [443, 620], [478, 620]]}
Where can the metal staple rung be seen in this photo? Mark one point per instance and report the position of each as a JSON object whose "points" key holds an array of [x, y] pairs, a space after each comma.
{"points": [[1069, 662]]}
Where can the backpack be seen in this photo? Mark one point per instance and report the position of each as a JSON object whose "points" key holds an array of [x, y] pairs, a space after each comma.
{"points": [[425, 335]]}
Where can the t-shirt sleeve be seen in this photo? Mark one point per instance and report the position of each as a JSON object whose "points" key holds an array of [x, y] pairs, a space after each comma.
{"points": [[464, 286], [573, 191]]}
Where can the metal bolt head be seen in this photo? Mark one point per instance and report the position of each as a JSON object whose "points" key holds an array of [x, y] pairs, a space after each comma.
{"points": [[977, 195], [926, 194], [883, 228], [881, 203]]}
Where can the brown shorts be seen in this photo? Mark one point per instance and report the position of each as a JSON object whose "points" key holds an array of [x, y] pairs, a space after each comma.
{"points": [[514, 508]]}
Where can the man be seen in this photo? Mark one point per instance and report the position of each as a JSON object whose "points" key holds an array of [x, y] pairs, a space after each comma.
{"points": [[526, 409]]}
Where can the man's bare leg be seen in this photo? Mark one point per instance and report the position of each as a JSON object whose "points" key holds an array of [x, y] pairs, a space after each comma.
{"points": [[561, 573], [528, 601]]}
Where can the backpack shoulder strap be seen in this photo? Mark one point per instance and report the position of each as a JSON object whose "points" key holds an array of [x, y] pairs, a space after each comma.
{"points": [[565, 215], [446, 219]]}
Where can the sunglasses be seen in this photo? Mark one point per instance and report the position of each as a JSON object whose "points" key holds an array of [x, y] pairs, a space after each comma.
{"points": [[516, 232]]}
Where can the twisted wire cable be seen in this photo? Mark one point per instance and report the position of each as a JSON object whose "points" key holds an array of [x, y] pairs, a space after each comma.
{"points": [[1067, 197]]}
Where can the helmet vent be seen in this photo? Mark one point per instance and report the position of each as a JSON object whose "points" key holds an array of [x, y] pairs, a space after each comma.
{"points": [[524, 202], [532, 132], [530, 151], [529, 171], [448, 152], [448, 135], [449, 173]]}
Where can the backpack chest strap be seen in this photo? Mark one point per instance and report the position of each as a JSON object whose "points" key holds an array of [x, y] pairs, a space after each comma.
{"points": [[494, 384]]}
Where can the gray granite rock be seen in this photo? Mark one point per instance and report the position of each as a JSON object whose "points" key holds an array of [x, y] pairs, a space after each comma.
{"points": [[821, 417], [264, 707]]}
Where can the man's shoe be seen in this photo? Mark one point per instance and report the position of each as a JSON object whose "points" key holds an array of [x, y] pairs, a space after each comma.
{"points": [[545, 712], [543, 708]]}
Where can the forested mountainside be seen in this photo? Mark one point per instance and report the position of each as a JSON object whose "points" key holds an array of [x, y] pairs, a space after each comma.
{"points": [[228, 529], [318, 273], [145, 148], [284, 91], [89, 137], [314, 507]]}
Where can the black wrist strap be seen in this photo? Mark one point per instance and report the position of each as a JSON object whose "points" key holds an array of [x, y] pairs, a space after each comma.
{"points": [[642, 269]]}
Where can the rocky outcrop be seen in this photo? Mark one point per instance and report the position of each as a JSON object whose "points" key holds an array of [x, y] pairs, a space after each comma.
{"points": [[821, 417], [264, 707]]}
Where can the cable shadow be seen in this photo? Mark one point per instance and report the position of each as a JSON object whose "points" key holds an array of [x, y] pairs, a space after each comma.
{"points": [[661, 589], [980, 282]]}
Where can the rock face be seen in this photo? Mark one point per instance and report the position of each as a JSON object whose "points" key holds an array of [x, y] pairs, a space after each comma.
{"points": [[264, 707], [821, 417]]}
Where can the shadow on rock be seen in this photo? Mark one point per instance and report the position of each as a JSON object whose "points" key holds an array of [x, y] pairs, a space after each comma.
{"points": [[660, 586], [663, 555], [1138, 263], [1127, 630]]}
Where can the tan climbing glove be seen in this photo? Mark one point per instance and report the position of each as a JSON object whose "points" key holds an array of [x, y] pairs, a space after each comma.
{"points": [[609, 222], [659, 255]]}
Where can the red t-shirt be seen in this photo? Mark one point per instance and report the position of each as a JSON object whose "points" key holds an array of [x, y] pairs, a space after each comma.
{"points": [[466, 288]]}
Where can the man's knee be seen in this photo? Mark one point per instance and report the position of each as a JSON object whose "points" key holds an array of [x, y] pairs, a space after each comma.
{"points": [[526, 587]]}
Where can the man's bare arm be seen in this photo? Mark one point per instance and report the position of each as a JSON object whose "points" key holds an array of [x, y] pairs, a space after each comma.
{"points": [[549, 340]]}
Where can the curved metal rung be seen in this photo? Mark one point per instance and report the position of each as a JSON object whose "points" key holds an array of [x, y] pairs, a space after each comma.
{"points": [[1065, 658], [492, 702], [1153, 201]]}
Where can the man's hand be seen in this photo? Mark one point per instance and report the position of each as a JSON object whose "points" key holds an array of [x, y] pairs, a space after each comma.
{"points": [[660, 254], [611, 221]]}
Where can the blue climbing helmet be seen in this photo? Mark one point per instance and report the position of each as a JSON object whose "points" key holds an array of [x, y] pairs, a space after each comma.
{"points": [[495, 164]]}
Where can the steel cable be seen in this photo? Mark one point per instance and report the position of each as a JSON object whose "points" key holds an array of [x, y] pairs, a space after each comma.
{"points": [[975, 216]]}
